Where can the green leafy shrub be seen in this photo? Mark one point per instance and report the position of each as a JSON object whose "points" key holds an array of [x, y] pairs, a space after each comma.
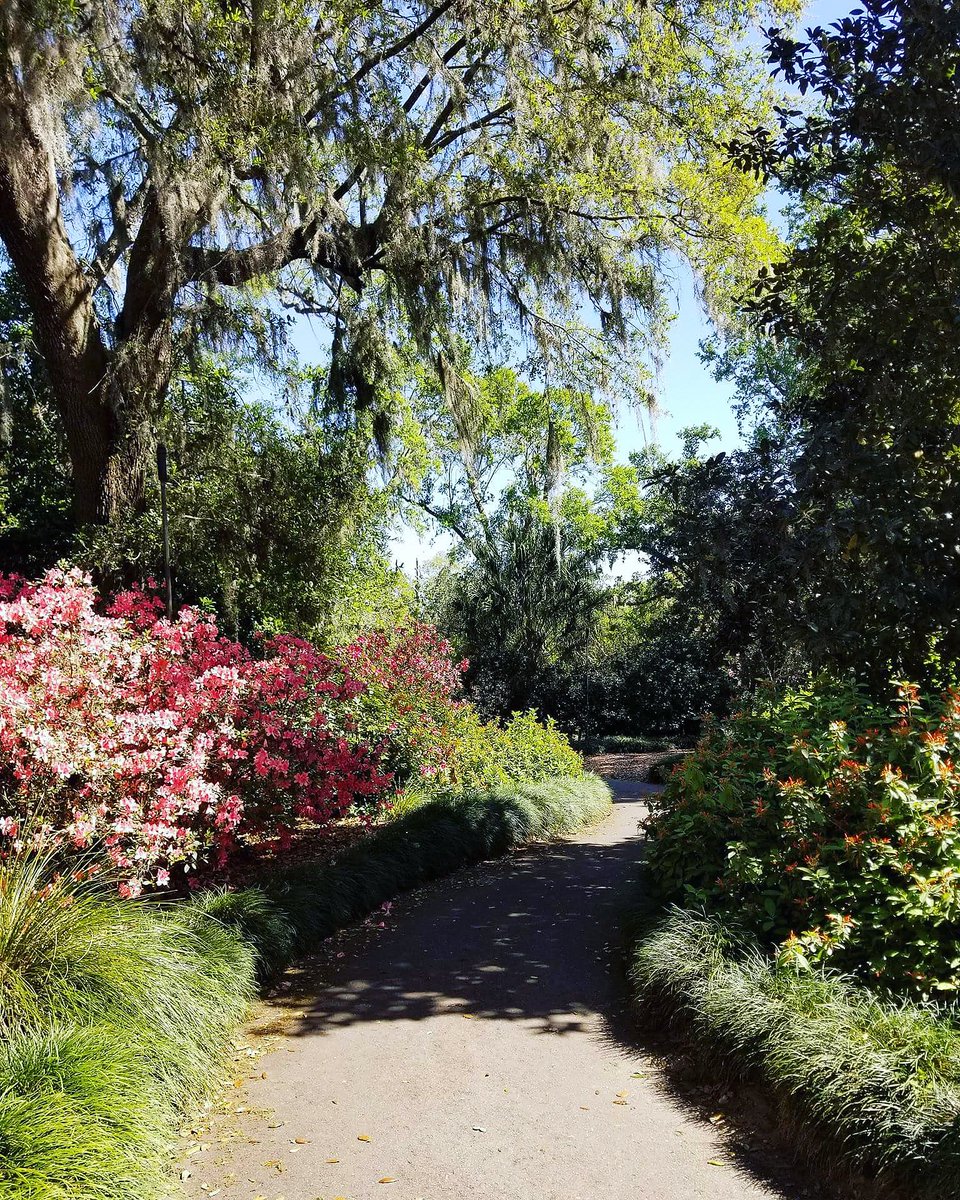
{"points": [[531, 749], [829, 824], [432, 739], [879, 1082]]}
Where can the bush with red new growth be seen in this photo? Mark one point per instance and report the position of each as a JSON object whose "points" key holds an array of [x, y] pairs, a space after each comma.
{"points": [[828, 824]]}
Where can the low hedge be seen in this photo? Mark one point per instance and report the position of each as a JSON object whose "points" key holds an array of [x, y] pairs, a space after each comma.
{"points": [[879, 1082], [293, 911], [116, 1016]]}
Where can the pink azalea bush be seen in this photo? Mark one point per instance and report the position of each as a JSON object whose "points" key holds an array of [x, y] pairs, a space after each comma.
{"points": [[412, 703], [410, 698], [159, 743]]}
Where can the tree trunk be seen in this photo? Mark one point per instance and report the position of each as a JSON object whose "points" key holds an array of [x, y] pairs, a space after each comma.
{"points": [[105, 397]]}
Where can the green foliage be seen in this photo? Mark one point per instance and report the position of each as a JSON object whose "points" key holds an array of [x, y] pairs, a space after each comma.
{"points": [[619, 743], [73, 953], [395, 172], [523, 615], [35, 522], [864, 306], [272, 521], [500, 754], [527, 749], [878, 1083], [115, 1017], [829, 824], [79, 1118], [507, 475]]}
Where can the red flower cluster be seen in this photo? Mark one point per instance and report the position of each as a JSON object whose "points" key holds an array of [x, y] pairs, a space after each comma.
{"points": [[159, 743]]}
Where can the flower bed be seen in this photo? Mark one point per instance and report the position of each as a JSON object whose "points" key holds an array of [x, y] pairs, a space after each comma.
{"points": [[157, 743]]}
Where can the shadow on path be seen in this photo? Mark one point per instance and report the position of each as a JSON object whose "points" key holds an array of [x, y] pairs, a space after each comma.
{"points": [[527, 948]]}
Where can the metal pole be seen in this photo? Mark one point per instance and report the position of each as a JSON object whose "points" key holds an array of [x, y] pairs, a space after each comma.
{"points": [[167, 574]]}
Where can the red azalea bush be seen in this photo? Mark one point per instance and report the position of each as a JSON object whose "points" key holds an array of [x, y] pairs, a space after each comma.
{"points": [[829, 824], [161, 742], [435, 740], [409, 701]]}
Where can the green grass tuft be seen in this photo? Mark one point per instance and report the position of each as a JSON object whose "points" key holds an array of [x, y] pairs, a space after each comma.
{"points": [[880, 1081], [79, 1117]]}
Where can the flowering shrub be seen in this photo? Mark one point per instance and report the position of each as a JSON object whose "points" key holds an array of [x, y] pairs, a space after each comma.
{"points": [[408, 699], [829, 824], [160, 742], [436, 740]]}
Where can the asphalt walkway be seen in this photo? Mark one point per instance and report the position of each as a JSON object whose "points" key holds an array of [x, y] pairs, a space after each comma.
{"points": [[476, 1046]]}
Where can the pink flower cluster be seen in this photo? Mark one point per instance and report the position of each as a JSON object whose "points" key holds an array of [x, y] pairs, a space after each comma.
{"points": [[410, 699], [158, 743], [415, 659]]}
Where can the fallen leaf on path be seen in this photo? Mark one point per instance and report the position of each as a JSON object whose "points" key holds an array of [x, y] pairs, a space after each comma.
{"points": [[479, 1129], [623, 1095], [716, 1162], [363, 1137], [302, 1141], [620, 1102], [387, 1179]]}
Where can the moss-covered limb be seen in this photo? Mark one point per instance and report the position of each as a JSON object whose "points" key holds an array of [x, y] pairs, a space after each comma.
{"points": [[882, 1082], [115, 1016], [294, 910]]}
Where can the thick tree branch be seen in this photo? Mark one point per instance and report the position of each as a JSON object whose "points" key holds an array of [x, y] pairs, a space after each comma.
{"points": [[234, 267]]}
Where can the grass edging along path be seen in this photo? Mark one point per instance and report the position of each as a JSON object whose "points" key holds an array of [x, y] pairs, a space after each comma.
{"points": [[295, 910], [880, 1082], [116, 1016]]}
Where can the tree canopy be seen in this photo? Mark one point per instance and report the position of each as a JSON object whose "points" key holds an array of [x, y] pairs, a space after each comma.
{"points": [[175, 175]]}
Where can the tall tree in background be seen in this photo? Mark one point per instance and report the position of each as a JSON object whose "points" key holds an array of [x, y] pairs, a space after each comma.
{"points": [[866, 305], [520, 592], [169, 171]]}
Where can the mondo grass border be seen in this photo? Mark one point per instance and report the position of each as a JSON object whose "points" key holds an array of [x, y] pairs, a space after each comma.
{"points": [[294, 910], [117, 1016], [876, 1085]]}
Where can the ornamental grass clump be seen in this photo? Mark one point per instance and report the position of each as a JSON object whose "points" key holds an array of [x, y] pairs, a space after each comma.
{"points": [[115, 1017], [80, 1118], [73, 953], [829, 825], [879, 1082]]}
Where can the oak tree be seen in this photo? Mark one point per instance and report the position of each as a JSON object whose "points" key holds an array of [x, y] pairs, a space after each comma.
{"points": [[175, 174]]}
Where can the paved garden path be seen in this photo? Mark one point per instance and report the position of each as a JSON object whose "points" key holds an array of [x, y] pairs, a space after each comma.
{"points": [[477, 1047]]}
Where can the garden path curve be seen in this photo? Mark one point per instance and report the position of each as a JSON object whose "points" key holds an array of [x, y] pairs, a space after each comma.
{"points": [[480, 1041]]}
